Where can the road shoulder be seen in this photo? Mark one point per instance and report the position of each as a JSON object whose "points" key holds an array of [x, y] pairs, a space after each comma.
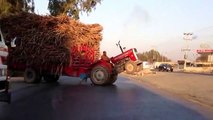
{"points": [[198, 89]]}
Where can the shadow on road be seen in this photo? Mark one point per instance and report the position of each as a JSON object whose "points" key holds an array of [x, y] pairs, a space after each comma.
{"points": [[126, 100]]}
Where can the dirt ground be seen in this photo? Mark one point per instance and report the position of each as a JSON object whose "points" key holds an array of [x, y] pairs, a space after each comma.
{"points": [[197, 88], [206, 70]]}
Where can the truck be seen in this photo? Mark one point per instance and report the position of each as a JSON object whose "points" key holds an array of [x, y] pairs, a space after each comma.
{"points": [[5, 95]]}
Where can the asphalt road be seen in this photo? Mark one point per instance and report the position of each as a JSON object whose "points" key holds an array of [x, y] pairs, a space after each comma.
{"points": [[69, 100]]}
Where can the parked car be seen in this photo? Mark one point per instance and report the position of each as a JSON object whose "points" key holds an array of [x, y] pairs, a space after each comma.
{"points": [[165, 67]]}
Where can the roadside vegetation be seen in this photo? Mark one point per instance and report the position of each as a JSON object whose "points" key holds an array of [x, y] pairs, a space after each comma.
{"points": [[72, 8]]}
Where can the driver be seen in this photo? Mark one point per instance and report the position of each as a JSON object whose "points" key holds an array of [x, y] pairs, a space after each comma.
{"points": [[105, 57]]}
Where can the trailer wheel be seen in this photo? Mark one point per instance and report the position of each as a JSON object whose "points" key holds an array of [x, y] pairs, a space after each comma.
{"points": [[31, 76], [130, 67], [50, 78], [99, 75]]}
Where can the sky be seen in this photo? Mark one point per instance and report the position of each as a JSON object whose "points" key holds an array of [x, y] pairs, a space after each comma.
{"points": [[151, 24]]}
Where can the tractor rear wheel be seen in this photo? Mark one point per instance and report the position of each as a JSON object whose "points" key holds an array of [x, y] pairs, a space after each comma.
{"points": [[31, 76], [50, 78], [100, 76], [130, 67], [113, 79]]}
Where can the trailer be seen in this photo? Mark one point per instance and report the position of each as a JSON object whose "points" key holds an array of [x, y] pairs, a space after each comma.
{"points": [[48, 47]]}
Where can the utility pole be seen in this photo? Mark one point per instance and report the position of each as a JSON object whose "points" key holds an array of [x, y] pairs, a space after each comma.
{"points": [[187, 37]]}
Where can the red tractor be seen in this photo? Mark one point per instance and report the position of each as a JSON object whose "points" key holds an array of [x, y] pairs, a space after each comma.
{"points": [[101, 72], [127, 60]]}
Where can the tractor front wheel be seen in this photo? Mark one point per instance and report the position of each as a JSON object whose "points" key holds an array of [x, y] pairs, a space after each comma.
{"points": [[99, 76], [130, 67]]}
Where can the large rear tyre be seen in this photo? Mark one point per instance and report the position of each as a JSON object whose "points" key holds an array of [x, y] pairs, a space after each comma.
{"points": [[50, 78], [100, 76], [32, 76], [113, 79], [130, 67]]}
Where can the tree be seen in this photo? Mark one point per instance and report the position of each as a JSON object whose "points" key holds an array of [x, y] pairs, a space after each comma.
{"points": [[5, 7], [142, 56], [14, 6], [152, 56], [71, 8]]}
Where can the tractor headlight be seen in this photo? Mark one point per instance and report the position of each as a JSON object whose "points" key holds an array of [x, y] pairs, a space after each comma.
{"points": [[135, 50], [135, 53]]}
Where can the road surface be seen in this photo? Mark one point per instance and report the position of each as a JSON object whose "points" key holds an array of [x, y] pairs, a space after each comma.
{"points": [[69, 100]]}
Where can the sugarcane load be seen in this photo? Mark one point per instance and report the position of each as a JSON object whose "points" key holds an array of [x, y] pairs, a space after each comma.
{"points": [[48, 46]]}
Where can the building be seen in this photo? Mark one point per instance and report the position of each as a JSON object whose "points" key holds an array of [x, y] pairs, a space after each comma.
{"points": [[208, 52]]}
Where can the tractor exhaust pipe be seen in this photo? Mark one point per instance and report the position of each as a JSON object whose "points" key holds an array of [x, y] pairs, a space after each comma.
{"points": [[119, 45]]}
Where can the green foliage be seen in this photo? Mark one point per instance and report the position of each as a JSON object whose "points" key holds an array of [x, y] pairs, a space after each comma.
{"points": [[15, 6], [152, 56], [71, 7], [5, 7]]}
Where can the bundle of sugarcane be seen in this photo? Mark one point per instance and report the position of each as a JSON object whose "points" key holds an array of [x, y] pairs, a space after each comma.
{"points": [[47, 40]]}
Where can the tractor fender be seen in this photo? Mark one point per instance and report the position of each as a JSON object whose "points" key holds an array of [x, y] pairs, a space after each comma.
{"points": [[104, 64]]}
